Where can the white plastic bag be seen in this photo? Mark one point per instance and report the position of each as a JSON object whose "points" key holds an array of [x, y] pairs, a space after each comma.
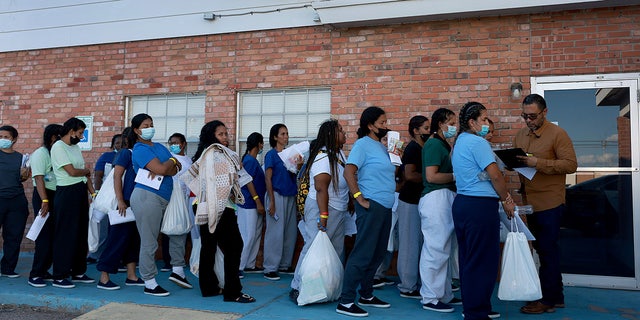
{"points": [[106, 199], [93, 238], [194, 262], [321, 272], [176, 220], [519, 280]]}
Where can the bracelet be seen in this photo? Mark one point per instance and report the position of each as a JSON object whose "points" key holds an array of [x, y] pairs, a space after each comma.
{"points": [[45, 200], [93, 195], [324, 216], [174, 160], [357, 194], [256, 197]]}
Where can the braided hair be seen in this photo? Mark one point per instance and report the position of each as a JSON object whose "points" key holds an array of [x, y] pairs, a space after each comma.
{"points": [[471, 110], [328, 138]]}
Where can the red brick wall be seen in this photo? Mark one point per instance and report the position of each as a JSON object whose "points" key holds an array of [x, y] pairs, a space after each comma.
{"points": [[407, 69]]}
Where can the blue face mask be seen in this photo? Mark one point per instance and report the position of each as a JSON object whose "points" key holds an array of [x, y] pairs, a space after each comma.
{"points": [[147, 133], [5, 143], [451, 132], [483, 132], [260, 151], [175, 148]]}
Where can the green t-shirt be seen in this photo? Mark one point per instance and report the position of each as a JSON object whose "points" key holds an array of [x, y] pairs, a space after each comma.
{"points": [[41, 166], [435, 153], [62, 155]]}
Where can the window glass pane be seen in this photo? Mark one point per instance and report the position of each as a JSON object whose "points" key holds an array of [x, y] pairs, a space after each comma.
{"points": [[176, 107], [157, 108], [249, 125], [268, 122], [194, 125], [250, 103], [297, 125], [273, 102], [296, 102], [320, 101], [314, 124], [138, 105], [161, 129]]}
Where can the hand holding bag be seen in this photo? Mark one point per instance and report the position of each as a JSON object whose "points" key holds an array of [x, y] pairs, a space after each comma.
{"points": [[106, 199], [321, 272], [176, 220], [519, 280]]}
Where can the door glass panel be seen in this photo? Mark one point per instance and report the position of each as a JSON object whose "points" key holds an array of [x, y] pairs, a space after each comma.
{"points": [[596, 235]]}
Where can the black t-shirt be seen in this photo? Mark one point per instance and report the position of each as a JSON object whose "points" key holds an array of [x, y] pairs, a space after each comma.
{"points": [[10, 185], [411, 191]]}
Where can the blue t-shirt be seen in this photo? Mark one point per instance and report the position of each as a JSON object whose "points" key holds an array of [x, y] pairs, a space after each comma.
{"points": [[142, 155], [283, 181], [471, 155], [107, 157], [252, 166], [124, 160], [376, 174]]}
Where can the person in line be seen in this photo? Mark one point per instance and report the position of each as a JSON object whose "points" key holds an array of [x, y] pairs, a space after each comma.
{"points": [[123, 240], [281, 232], [251, 213], [475, 211], [370, 176], [553, 157], [71, 207], [13, 202], [149, 205], [103, 166], [215, 172], [409, 236], [436, 221], [328, 199], [178, 147], [44, 193]]}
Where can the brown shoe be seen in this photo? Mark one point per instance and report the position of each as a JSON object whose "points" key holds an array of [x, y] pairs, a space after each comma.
{"points": [[537, 307]]}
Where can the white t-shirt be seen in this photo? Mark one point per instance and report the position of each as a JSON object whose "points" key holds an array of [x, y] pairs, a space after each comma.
{"points": [[337, 200]]}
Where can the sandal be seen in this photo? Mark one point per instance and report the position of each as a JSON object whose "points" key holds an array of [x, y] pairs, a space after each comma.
{"points": [[243, 298]]}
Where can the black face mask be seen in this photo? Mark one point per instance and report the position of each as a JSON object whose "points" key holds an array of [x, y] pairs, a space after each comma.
{"points": [[424, 137], [74, 140], [381, 133]]}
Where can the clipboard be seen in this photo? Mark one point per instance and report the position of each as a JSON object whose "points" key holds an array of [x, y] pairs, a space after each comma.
{"points": [[509, 157]]}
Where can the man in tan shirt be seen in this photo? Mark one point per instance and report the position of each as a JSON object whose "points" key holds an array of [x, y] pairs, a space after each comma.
{"points": [[550, 151]]}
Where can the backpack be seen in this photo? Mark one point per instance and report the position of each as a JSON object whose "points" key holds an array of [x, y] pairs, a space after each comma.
{"points": [[304, 184]]}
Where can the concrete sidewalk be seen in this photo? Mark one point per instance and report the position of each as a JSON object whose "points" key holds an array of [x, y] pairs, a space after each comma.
{"points": [[273, 301]]}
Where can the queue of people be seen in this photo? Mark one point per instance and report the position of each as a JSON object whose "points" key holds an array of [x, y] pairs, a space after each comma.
{"points": [[448, 203]]}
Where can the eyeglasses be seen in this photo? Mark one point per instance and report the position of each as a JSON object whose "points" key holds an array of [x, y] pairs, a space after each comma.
{"points": [[531, 116]]}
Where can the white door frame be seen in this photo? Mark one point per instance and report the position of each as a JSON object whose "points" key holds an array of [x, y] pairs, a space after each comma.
{"points": [[632, 81]]}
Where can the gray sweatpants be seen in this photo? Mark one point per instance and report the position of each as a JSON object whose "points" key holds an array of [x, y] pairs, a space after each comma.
{"points": [[149, 209], [280, 236], [409, 246]]}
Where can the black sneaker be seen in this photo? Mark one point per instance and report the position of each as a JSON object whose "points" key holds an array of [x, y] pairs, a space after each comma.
{"points": [[91, 260], [353, 311], [273, 276], [253, 270], [37, 282], [438, 307], [47, 277], [110, 285], [158, 291], [379, 283], [63, 283], [82, 278], [10, 274], [492, 315], [373, 302], [415, 294], [455, 287], [240, 274], [182, 282], [293, 295], [130, 282], [287, 270], [455, 302], [122, 269]]}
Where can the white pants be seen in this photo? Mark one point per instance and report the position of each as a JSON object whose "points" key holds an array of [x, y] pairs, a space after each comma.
{"points": [[250, 225], [436, 222]]}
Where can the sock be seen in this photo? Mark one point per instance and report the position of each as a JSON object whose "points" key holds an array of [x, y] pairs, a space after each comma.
{"points": [[150, 284], [179, 271]]}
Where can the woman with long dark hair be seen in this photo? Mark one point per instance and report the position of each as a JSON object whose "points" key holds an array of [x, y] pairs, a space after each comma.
{"points": [[370, 176], [149, 205], [475, 211], [328, 198], [71, 207], [215, 171], [251, 213], [44, 192]]}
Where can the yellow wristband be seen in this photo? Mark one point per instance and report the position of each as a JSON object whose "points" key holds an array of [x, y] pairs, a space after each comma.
{"points": [[256, 197], [357, 194], [323, 216], [94, 194], [174, 160], [45, 200]]}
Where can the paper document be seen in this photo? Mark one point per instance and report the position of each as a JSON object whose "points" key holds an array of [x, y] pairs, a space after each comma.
{"points": [[116, 218], [290, 154], [519, 223], [36, 226], [526, 172], [143, 178], [394, 145], [244, 177]]}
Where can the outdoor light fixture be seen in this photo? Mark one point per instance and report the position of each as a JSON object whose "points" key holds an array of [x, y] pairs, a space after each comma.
{"points": [[516, 90]]}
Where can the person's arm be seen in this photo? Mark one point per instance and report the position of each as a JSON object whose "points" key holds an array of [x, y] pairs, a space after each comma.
{"points": [[497, 180], [76, 172], [118, 189], [255, 197], [268, 174], [42, 192], [434, 176], [350, 171], [98, 176], [321, 182], [411, 174], [168, 168]]}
